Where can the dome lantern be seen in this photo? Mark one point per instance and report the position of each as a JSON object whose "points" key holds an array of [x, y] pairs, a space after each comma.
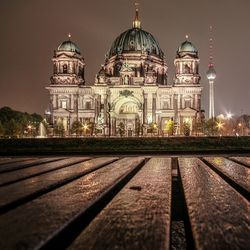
{"points": [[136, 22]]}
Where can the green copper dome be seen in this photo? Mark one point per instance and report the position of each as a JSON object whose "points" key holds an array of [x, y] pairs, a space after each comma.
{"points": [[187, 47], [135, 40], [69, 46]]}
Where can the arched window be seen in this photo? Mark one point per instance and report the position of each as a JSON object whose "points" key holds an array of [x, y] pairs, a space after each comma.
{"points": [[165, 104], [65, 69], [55, 69], [187, 69], [88, 105], [187, 103]]}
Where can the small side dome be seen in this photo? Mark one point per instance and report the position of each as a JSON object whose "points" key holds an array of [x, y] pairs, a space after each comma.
{"points": [[211, 73], [69, 46], [187, 48]]}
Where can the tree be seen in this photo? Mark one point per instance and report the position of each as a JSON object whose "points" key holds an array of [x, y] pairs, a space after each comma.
{"points": [[77, 128], [121, 129], [1, 129], [186, 128], [91, 126], [153, 127], [170, 127], [59, 129], [211, 127], [13, 128], [20, 121]]}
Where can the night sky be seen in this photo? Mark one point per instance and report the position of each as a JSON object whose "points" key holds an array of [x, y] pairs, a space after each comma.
{"points": [[31, 30]]}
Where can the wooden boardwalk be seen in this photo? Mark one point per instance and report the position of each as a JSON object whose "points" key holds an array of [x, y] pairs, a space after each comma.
{"points": [[124, 203]]}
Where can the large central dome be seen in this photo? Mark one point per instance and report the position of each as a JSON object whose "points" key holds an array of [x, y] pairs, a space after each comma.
{"points": [[135, 58], [135, 40]]}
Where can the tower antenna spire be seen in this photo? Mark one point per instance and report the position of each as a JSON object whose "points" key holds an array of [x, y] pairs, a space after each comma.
{"points": [[136, 22], [211, 45], [211, 76]]}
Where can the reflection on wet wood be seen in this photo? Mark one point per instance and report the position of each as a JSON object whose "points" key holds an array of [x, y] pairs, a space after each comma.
{"points": [[218, 214], [123, 203]]}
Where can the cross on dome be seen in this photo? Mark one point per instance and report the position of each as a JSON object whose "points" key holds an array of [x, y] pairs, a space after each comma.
{"points": [[136, 22]]}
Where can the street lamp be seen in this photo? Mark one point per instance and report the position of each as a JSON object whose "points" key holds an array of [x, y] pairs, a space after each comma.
{"points": [[219, 125], [85, 127], [240, 127]]}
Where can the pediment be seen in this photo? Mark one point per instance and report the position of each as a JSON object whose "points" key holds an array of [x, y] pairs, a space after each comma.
{"points": [[188, 109], [61, 110], [64, 55]]}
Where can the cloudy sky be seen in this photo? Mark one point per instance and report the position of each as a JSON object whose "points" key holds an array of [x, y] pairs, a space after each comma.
{"points": [[31, 30]]}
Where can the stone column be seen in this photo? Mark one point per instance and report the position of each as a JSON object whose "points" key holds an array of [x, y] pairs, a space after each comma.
{"points": [[76, 105], [199, 102], [96, 109], [195, 101], [145, 109], [172, 102], [105, 108], [57, 104], [175, 107], [113, 126], [53, 97], [179, 102], [71, 101], [153, 107], [192, 101]]}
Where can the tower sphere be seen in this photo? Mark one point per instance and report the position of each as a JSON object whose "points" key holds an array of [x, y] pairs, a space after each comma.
{"points": [[211, 73]]}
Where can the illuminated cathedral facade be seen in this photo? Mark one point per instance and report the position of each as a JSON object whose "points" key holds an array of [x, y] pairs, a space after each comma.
{"points": [[131, 93]]}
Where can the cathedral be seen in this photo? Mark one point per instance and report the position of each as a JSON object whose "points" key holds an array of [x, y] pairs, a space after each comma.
{"points": [[131, 95]]}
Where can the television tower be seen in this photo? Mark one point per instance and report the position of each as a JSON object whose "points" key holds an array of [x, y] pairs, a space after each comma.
{"points": [[211, 75]]}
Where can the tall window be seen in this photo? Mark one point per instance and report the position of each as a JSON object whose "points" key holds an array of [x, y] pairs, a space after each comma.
{"points": [[65, 69], [88, 105], [187, 103], [187, 69], [165, 104], [64, 104]]}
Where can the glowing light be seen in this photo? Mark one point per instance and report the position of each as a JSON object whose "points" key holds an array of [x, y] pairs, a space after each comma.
{"points": [[229, 115], [186, 36], [85, 126], [219, 125], [154, 125], [69, 35], [187, 120], [239, 124]]}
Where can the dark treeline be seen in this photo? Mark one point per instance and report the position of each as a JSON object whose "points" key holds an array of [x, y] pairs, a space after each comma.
{"points": [[16, 124]]}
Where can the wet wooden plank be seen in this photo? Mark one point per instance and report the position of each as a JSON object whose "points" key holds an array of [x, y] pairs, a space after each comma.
{"points": [[242, 160], [21, 174], [28, 163], [138, 217], [218, 214], [6, 160], [17, 193], [33, 223], [235, 172]]}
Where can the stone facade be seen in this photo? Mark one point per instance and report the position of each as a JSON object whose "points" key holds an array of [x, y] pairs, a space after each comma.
{"points": [[130, 92]]}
